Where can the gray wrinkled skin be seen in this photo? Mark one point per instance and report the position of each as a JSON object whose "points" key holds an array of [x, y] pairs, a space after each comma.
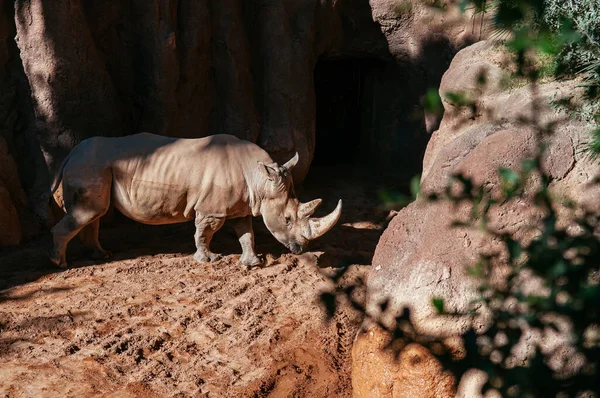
{"points": [[160, 180]]}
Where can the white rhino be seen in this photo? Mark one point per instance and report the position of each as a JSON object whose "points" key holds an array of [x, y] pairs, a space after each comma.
{"points": [[160, 180]]}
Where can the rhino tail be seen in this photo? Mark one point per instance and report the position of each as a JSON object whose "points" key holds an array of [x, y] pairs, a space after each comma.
{"points": [[59, 176]]}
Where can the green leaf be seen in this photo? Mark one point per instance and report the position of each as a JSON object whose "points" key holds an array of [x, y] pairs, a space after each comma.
{"points": [[510, 180], [477, 269], [514, 249], [535, 300], [558, 269], [460, 224], [507, 15], [465, 182], [415, 186], [393, 200], [432, 103], [458, 98], [439, 304], [529, 165], [482, 78], [593, 144]]}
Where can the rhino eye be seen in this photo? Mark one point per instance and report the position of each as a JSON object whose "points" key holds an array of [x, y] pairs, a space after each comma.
{"points": [[288, 219]]}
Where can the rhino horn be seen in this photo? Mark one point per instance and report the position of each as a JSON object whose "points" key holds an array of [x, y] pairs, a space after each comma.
{"points": [[307, 209], [292, 162], [319, 226]]}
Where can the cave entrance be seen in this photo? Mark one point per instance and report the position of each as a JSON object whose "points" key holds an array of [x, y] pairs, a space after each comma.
{"points": [[343, 111]]}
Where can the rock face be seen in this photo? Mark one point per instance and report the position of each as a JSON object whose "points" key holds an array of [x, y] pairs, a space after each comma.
{"points": [[13, 201], [9, 219], [71, 69], [421, 255], [414, 373]]}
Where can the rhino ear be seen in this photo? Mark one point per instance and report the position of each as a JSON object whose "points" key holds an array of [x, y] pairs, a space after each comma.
{"points": [[307, 209], [269, 170], [292, 162]]}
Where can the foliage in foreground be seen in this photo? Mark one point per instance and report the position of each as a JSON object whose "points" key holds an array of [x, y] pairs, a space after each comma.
{"points": [[564, 257]]}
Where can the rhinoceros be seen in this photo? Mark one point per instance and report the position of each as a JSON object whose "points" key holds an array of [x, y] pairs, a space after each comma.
{"points": [[162, 180]]}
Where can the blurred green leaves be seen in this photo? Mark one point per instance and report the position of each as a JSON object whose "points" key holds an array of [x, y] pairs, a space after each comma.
{"points": [[432, 103], [458, 98], [394, 200], [547, 37], [567, 264], [509, 181], [593, 144]]}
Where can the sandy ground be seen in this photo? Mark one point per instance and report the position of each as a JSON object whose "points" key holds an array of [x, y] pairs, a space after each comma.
{"points": [[152, 322]]}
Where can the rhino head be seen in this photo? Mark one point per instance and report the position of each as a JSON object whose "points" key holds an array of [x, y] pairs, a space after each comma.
{"points": [[289, 220]]}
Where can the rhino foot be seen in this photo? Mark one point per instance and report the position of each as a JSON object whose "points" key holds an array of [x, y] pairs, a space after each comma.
{"points": [[250, 260], [56, 260], [206, 257], [100, 254]]}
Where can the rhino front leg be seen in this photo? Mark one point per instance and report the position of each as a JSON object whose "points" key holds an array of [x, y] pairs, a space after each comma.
{"points": [[206, 226], [243, 229]]}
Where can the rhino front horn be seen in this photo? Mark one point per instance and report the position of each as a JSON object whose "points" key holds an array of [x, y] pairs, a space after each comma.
{"points": [[319, 226], [292, 162]]}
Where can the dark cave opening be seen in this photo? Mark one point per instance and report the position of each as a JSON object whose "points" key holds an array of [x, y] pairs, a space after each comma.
{"points": [[343, 111]]}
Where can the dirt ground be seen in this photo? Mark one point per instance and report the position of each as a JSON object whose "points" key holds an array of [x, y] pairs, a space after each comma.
{"points": [[152, 322]]}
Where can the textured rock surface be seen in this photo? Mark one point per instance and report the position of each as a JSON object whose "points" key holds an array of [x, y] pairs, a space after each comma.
{"points": [[10, 233], [421, 255], [13, 201], [71, 69], [377, 373]]}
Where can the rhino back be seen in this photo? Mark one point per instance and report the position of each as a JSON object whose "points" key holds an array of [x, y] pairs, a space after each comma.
{"points": [[161, 180]]}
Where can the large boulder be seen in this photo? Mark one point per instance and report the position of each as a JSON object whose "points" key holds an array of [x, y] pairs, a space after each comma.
{"points": [[421, 255]]}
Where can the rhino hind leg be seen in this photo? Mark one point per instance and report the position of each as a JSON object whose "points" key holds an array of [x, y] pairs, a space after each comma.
{"points": [[89, 238], [206, 226], [63, 232], [84, 205], [243, 229]]}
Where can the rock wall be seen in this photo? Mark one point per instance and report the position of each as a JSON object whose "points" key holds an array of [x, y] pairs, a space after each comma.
{"points": [[421, 255], [71, 69]]}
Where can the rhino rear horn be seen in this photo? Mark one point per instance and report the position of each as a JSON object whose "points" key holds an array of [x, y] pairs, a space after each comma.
{"points": [[319, 226], [307, 209]]}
